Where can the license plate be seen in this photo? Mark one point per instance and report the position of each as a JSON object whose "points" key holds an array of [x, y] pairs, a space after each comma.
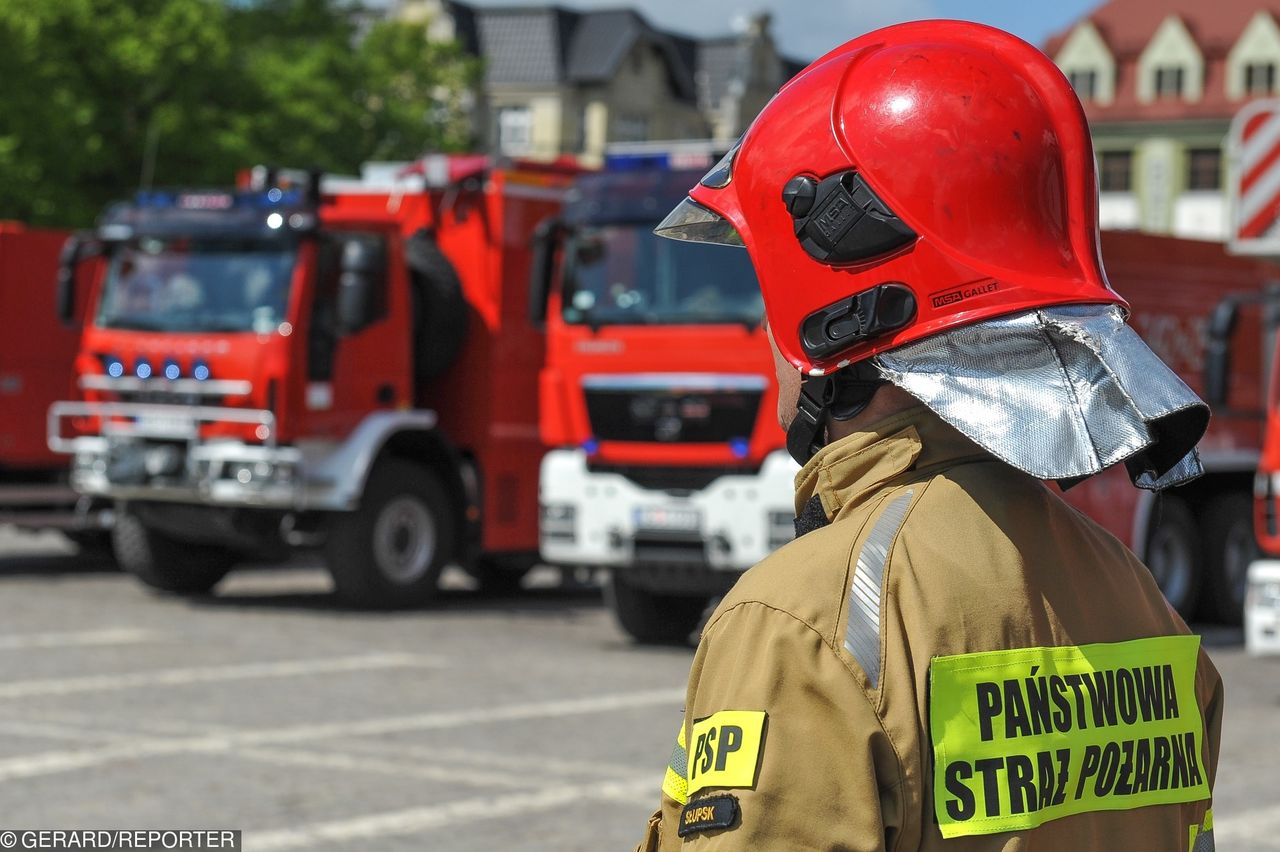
{"points": [[165, 426], [671, 518]]}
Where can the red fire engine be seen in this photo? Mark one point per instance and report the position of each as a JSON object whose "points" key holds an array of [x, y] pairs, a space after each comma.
{"points": [[36, 354], [659, 402], [345, 363], [1197, 539]]}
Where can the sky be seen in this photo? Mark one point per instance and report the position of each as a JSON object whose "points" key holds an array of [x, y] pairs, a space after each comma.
{"points": [[805, 29]]}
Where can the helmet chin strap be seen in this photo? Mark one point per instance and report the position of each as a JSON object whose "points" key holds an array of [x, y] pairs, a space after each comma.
{"points": [[843, 395]]}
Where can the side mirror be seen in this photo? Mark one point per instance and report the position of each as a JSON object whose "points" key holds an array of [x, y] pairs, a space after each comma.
{"points": [[361, 270], [78, 248], [1217, 350], [546, 238]]}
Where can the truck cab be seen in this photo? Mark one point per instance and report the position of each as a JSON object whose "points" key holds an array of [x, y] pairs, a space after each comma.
{"points": [[296, 364], [667, 465]]}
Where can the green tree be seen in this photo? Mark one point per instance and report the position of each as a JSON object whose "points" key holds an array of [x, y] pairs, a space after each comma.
{"points": [[102, 95]]}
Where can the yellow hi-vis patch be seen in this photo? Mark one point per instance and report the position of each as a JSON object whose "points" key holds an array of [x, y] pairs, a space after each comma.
{"points": [[1029, 735], [674, 784], [726, 749]]}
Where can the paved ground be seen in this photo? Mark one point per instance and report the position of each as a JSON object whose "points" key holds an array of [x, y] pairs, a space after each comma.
{"points": [[524, 723]]}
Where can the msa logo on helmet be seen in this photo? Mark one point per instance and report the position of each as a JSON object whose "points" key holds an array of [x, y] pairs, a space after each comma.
{"points": [[840, 220], [835, 218], [959, 294]]}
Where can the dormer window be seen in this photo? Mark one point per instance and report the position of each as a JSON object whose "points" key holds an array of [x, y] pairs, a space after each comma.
{"points": [[1085, 83], [1169, 81], [1259, 78], [1171, 67]]}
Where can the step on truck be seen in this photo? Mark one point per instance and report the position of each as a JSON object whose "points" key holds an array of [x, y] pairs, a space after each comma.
{"points": [[38, 341], [667, 467], [344, 363]]}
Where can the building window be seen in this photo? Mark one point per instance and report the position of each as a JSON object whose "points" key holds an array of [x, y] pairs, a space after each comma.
{"points": [[1259, 78], [1204, 168], [1169, 80], [515, 130], [1116, 172], [1085, 83], [630, 128]]}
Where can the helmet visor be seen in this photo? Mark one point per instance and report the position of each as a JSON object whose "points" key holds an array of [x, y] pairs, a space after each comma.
{"points": [[692, 222]]}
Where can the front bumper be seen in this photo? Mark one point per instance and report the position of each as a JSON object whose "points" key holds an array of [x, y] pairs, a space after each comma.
{"points": [[1262, 608], [605, 519], [155, 452]]}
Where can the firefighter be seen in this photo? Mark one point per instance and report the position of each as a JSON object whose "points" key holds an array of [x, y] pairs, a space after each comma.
{"points": [[948, 656]]}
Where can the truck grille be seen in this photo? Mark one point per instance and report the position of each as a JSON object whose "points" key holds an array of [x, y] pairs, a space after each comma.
{"points": [[679, 479], [672, 416]]}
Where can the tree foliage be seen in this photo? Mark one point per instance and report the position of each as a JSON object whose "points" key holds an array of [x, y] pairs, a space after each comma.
{"points": [[102, 95]]}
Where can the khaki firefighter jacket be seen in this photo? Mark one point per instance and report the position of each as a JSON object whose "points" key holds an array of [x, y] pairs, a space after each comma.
{"points": [[958, 661]]}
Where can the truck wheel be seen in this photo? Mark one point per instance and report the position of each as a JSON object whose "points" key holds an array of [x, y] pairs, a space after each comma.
{"points": [[164, 564], [1229, 548], [439, 307], [1174, 554], [651, 618], [389, 552]]}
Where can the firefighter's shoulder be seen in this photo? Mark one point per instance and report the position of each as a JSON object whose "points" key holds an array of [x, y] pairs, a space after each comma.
{"points": [[805, 578]]}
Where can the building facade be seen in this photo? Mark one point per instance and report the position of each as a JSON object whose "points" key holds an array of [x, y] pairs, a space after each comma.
{"points": [[1160, 81], [559, 81]]}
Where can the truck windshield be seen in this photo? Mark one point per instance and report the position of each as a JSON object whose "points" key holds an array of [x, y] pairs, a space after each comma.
{"points": [[186, 284], [624, 274]]}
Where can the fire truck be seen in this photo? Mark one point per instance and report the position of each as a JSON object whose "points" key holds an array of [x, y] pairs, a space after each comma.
{"points": [[667, 467], [317, 362], [1231, 386], [36, 355], [1197, 539]]}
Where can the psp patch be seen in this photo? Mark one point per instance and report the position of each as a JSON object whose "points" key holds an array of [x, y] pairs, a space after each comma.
{"points": [[1025, 736], [708, 813], [726, 750]]}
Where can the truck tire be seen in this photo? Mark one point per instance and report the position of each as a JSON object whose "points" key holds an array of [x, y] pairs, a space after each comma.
{"points": [[1229, 548], [164, 564], [439, 307], [389, 553], [649, 617], [1175, 554]]}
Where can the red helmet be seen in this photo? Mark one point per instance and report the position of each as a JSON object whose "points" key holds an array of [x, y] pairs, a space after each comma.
{"points": [[921, 177]]}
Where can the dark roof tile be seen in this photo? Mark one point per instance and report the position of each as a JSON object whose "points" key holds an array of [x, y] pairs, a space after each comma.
{"points": [[524, 45]]}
